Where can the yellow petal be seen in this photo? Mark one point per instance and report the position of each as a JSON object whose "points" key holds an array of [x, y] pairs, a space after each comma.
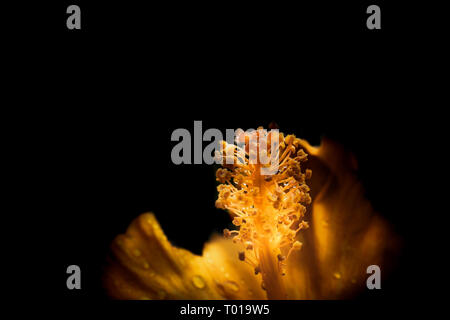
{"points": [[144, 265], [346, 234], [345, 237], [234, 279]]}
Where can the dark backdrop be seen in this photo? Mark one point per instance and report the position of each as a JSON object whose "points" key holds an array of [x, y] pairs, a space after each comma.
{"points": [[116, 90], [119, 166]]}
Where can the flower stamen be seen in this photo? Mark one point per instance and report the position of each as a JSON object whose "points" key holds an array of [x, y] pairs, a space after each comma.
{"points": [[267, 209]]}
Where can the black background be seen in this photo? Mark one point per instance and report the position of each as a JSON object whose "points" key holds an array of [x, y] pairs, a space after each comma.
{"points": [[115, 90]]}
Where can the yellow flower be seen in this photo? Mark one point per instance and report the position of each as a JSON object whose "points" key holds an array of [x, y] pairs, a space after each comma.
{"points": [[272, 254]]}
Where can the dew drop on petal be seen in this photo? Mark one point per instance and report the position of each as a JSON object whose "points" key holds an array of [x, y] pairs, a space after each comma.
{"points": [[337, 275], [198, 282], [231, 286]]}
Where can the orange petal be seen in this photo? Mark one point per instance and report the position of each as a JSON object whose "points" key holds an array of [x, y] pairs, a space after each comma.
{"points": [[144, 265], [346, 234], [234, 279]]}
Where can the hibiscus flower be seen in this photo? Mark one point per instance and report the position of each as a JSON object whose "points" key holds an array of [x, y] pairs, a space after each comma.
{"points": [[305, 232]]}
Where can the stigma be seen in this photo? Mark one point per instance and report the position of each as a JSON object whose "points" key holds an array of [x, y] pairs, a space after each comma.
{"points": [[267, 207]]}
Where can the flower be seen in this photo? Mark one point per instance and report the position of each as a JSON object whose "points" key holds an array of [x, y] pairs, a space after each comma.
{"points": [[272, 254]]}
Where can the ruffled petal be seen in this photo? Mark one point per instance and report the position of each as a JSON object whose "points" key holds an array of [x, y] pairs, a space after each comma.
{"points": [[345, 237], [346, 234], [233, 278], [144, 265]]}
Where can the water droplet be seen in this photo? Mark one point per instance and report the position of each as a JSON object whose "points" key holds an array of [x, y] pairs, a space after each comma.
{"points": [[232, 286], [137, 252], [337, 275], [263, 285], [198, 282], [227, 275]]}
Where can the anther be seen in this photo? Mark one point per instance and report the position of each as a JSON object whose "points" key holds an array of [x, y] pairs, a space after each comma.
{"points": [[297, 245], [303, 225], [292, 149], [237, 221], [226, 233], [242, 255], [289, 139], [220, 204], [308, 174]]}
